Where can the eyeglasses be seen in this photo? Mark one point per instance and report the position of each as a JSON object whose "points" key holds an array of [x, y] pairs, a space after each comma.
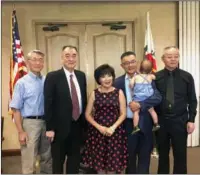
{"points": [[127, 63], [37, 60]]}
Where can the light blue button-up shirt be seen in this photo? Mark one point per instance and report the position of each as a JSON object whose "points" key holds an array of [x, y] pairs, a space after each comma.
{"points": [[28, 95], [129, 113]]}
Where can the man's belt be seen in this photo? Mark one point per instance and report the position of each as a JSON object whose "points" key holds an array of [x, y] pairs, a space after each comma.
{"points": [[35, 117]]}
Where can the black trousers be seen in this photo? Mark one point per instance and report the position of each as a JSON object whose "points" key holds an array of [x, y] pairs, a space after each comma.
{"points": [[172, 133], [70, 147]]}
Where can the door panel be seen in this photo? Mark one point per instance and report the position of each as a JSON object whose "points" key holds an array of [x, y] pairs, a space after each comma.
{"points": [[54, 45], [52, 42], [97, 45], [106, 46]]}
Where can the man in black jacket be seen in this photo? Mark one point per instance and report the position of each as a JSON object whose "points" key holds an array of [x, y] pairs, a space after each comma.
{"points": [[65, 102], [176, 112]]}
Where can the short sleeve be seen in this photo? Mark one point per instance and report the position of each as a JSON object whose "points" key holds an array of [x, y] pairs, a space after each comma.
{"points": [[17, 99]]}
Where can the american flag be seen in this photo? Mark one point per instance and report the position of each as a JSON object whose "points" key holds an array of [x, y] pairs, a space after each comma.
{"points": [[17, 64]]}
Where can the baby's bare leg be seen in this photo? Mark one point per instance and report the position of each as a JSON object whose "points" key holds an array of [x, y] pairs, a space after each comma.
{"points": [[136, 118], [153, 115]]}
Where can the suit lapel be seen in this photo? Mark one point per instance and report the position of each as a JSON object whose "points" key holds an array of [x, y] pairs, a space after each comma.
{"points": [[64, 82], [123, 88]]}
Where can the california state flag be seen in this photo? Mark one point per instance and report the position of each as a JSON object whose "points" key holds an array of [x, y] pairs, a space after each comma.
{"points": [[149, 46]]}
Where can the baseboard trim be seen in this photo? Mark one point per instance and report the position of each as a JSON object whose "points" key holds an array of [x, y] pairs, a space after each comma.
{"points": [[10, 152]]}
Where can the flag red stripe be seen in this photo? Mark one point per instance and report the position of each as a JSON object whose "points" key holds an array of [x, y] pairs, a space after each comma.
{"points": [[18, 46], [19, 55], [21, 64], [152, 59]]}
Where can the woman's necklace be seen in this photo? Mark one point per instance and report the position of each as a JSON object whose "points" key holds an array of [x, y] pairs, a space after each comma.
{"points": [[105, 93]]}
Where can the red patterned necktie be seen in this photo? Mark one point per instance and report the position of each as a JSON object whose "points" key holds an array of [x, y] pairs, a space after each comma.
{"points": [[75, 102]]}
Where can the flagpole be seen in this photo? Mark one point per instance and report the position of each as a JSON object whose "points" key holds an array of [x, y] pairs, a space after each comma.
{"points": [[150, 47], [11, 65]]}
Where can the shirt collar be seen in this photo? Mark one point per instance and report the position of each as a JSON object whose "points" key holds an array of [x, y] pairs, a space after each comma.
{"points": [[32, 75], [67, 73], [173, 72], [128, 77]]}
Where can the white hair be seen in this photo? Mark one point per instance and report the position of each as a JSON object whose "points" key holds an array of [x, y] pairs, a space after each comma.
{"points": [[35, 51]]}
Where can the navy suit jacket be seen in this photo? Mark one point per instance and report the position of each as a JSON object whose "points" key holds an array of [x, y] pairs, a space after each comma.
{"points": [[145, 121]]}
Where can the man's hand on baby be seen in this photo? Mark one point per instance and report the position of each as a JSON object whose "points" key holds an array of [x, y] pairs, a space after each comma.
{"points": [[134, 106]]}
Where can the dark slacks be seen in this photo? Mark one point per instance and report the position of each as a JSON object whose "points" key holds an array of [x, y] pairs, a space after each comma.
{"points": [[69, 146], [172, 133], [139, 149]]}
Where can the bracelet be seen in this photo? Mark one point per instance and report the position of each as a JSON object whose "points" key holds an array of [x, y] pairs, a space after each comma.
{"points": [[113, 130]]}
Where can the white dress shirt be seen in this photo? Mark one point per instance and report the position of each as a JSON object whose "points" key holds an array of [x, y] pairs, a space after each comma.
{"points": [[67, 73]]}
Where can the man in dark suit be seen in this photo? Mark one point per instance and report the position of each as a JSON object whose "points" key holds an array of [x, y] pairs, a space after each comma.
{"points": [[65, 102], [139, 144], [176, 112]]}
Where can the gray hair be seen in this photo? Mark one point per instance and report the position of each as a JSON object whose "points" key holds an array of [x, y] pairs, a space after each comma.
{"points": [[35, 51], [168, 48]]}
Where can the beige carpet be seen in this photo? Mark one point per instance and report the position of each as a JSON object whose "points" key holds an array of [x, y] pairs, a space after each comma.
{"points": [[12, 165]]}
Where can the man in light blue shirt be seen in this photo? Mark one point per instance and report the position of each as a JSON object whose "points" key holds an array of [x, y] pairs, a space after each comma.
{"points": [[139, 144], [28, 109]]}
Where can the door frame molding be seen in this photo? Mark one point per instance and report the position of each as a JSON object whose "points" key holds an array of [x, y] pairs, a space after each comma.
{"points": [[36, 22]]}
